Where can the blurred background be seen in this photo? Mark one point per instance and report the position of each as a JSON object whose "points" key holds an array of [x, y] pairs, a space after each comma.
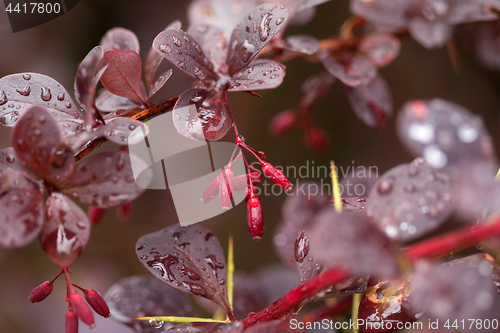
{"points": [[56, 48]]}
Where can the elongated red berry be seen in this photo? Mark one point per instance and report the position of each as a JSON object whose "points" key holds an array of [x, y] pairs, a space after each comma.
{"points": [[71, 321], [226, 188], [241, 181], [255, 217], [41, 292], [97, 303], [276, 176], [96, 214], [249, 193], [282, 123], [211, 191], [82, 309], [317, 139], [124, 211]]}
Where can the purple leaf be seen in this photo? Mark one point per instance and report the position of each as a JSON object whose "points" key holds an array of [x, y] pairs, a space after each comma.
{"points": [[265, 74], [387, 15], [202, 115], [143, 296], [18, 92], [38, 143], [189, 259], [304, 44], [410, 200], [382, 48], [371, 102], [66, 230], [106, 180], [122, 131], [465, 11], [120, 39], [122, 77], [354, 205], [358, 182], [487, 45], [248, 296], [159, 83], [352, 70], [305, 4], [109, 102], [315, 88], [154, 59], [21, 216], [86, 80], [13, 171], [213, 41], [431, 34], [184, 52], [352, 242], [276, 280], [444, 133], [253, 33]]}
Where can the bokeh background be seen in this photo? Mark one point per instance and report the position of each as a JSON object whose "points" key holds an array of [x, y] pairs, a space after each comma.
{"points": [[56, 48]]}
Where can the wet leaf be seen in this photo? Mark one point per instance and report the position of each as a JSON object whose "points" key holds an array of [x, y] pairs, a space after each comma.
{"points": [[109, 102], [122, 77], [122, 131], [13, 172], [201, 114], [107, 180], [444, 133], [159, 83], [352, 70], [189, 259], [465, 11], [66, 230], [253, 33], [304, 44], [144, 296], [371, 102], [86, 80], [431, 34], [387, 15], [185, 53], [315, 88], [248, 295], [382, 48], [120, 39], [41, 147], [410, 200], [21, 216], [18, 92], [352, 242], [154, 59], [261, 75], [213, 42], [359, 181], [354, 205], [276, 280]]}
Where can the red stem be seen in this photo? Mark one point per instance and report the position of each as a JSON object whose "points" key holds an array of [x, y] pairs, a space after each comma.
{"points": [[296, 297]]}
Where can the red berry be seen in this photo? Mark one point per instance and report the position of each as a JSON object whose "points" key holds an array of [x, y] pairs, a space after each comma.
{"points": [[276, 176], [124, 211], [97, 302], [255, 217], [71, 322], [226, 188], [282, 123], [96, 214], [317, 139], [211, 191], [82, 309], [41, 292]]}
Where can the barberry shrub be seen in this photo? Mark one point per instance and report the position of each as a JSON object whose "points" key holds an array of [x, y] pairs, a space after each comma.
{"points": [[418, 246]]}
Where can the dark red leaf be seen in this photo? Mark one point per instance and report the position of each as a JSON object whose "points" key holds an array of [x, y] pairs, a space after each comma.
{"points": [[66, 230], [410, 200], [422, 125], [276, 280], [21, 216], [38, 143], [202, 115], [465, 11], [352, 70], [123, 131], [382, 48], [253, 33], [354, 205], [109, 102], [315, 88], [248, 295], [13, 172], [189, 259], [159, 83], [154, 59], [387, 15], [142, 296], [487, 45], [18, 92], [358, 182], [214, 43], [431, 34], [304, 44], [106, 180], [371, 102], [265, 74], [122, 76], [183, 51], [120, 39]]}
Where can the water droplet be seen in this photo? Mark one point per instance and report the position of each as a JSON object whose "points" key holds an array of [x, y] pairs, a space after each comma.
{"points": [[3, 98], [25, 91], [27, 76], [249, 70], [46, 95], [181, 65], [165, 48], [186, 38], [144, 257], [199, 73], [385, 186], [177, 41], [120, 162], [9, 118], [274, 76], [68, 105], [197, 47], [280, 20], [132, 127], [60, 97], [264, 26], [467, 134], [156, 323]]}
